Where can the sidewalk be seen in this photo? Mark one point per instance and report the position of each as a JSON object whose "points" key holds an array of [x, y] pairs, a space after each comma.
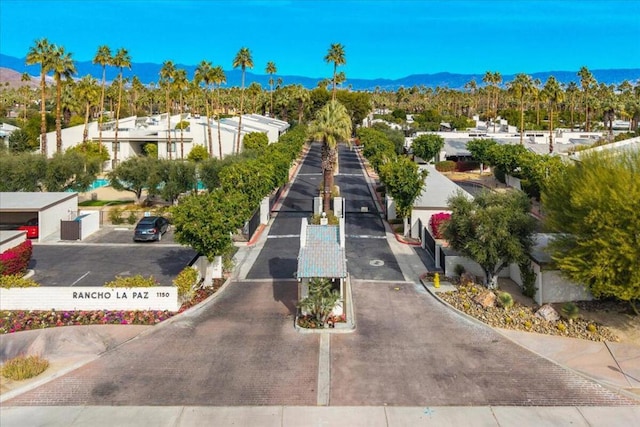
{"points": [[301, 416]]}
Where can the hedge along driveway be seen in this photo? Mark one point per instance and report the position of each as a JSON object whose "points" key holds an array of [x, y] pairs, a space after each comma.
{"points": [[93, 265]]}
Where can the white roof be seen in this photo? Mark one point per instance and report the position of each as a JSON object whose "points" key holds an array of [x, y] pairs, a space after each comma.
{"points": [[437, 190], [19, 201]]}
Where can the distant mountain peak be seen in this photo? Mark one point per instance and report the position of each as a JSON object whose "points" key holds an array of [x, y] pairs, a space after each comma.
{"points": [[149, 73]]}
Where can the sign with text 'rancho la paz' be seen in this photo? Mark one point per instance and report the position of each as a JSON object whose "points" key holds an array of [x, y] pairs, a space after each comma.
{"points": [[90, 298]]}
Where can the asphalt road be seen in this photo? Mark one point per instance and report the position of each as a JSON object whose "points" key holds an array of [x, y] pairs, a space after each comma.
{"points": [[365, 232]]}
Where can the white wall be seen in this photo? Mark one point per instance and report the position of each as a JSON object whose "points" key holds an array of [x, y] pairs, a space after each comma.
{"points": [[90, 223], [49, 218], [11, 239]]}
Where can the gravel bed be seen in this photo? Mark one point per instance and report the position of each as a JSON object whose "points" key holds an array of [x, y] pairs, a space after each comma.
{"points": [[523, 318]]}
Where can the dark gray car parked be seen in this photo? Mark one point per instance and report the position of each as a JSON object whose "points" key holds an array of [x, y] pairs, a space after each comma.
{"points": [[150, 228]]}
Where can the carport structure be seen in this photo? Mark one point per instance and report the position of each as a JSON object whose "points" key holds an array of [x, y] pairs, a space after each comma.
{"points": [[49, 208]]}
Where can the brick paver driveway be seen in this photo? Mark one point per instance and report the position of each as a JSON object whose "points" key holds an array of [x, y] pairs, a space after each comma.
{"points": [[240, 350], [410, 350]]}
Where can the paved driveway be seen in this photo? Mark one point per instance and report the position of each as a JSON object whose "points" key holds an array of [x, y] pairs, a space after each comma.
{"points": [[410, 350], [241, 349]]}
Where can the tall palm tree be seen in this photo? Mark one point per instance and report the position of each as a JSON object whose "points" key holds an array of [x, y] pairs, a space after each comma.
{"points": [[104, 58], [167, 74], [219, 78], [271, 70], [181, 84], [243, 60], [62, 66], [336, 55], [332, 125], [521, 87], [42, 53], [553, 94], [204, 73], [121, 60], [572, 91], [26, 90], [587, 83], [87, 92]]}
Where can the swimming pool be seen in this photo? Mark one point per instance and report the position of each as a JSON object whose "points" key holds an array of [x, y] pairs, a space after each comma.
{"points": [[100, 182]]}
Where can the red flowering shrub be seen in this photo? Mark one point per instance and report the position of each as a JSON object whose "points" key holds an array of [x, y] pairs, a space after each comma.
{"points": [[16, 260], [436, 223]]}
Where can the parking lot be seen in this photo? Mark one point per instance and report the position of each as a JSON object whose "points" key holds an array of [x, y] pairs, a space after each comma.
{"points": [[108, 253]]}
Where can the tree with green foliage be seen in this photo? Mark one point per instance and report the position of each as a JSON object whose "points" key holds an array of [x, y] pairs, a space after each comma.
{"points": [[22, 172], [92, 151], [20, 141], [554, 95], [521, 87], [42, 53], [254, 178], [494, 230], [377, 147], [172, 178], [331, 126], [595, 206], [70, 171], [198, 153], [255, 141], [336, 54], [427, 146], [505, 159], [62, 66], [205, 222], [133, 175], [480, 149], [404, 182], [243, 60]]}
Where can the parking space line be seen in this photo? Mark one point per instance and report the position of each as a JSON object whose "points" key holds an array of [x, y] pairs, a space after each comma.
{"points": [[81, 277]]}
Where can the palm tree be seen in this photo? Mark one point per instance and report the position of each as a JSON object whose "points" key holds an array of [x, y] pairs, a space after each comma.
{"points": [[336, 55], [87, 93], [25, 94], [62, 66], [218, 79], [271, 70], [331, 126], [104, 58], [587, 82], [180, 84], [204, 73], [301, 95], [121, 60], [554, 95], [572, 90], [42, 53], [243, 60], [521, 87], [167, 74]]}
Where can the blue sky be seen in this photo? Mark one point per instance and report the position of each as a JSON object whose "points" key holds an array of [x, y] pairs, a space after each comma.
{"points": [[389, 39]]}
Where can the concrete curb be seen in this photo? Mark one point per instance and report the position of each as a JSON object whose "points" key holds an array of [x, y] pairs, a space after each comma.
{"points": [[608, 386]]}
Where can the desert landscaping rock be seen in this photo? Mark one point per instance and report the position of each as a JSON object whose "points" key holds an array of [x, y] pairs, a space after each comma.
{"points": [[548, 313], [523, 318]]}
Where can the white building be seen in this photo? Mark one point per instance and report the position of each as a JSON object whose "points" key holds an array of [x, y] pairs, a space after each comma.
{"points": [[134, 132]]}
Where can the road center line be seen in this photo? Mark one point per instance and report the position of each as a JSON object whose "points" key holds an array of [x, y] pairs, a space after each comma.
{"points": [[364, 236], [81, 277]]}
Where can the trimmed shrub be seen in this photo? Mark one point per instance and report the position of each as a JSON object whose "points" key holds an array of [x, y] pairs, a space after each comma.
{"points": [[115, 216], [185, 282], [136, 281], [446, 166], [506, 300], [17, 281], [14, 261]]}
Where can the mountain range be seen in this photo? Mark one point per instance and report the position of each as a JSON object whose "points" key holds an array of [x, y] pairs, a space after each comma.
{"points": [[149, 73]]}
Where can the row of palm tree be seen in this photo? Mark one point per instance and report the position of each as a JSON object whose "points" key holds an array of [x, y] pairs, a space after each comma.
{"points": [[180, 94]]}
